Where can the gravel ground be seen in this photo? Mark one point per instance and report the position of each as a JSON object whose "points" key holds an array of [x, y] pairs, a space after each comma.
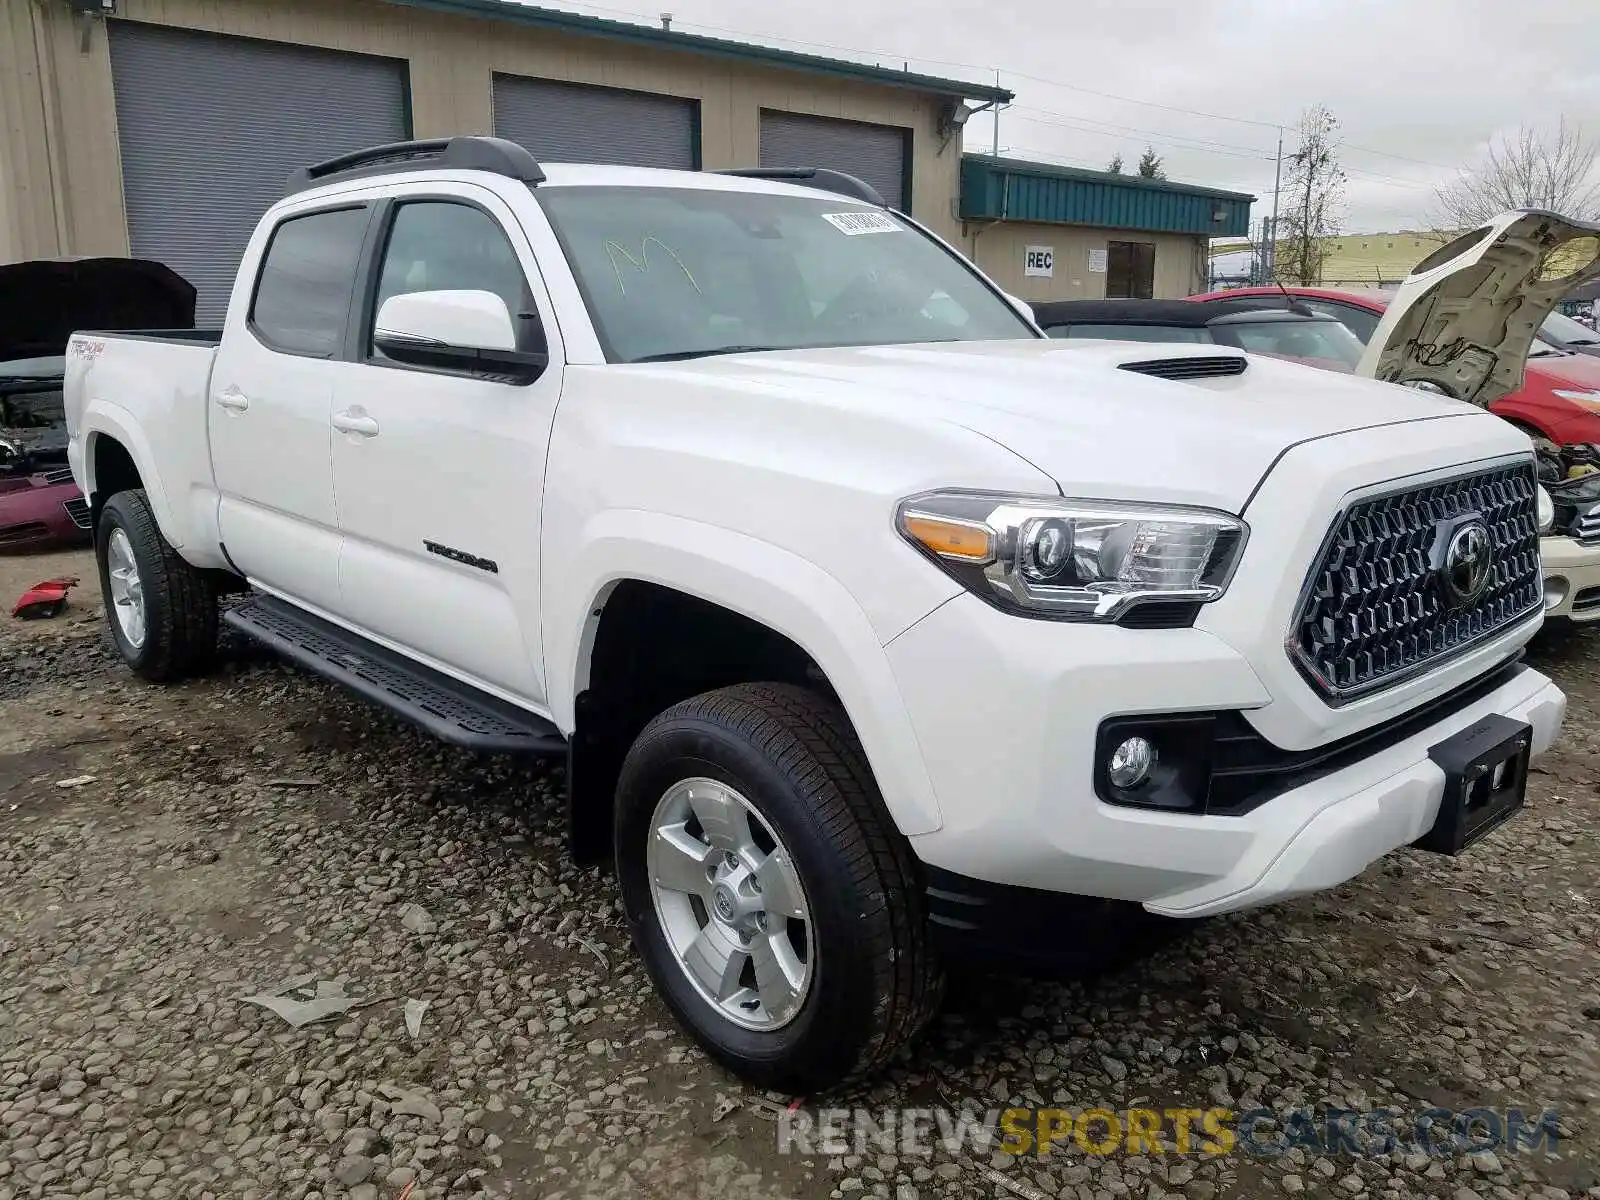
{"points": [[166, 852]]}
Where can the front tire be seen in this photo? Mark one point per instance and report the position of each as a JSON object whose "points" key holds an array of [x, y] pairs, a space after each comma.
{"points": [[162, 611], [772, 901]]}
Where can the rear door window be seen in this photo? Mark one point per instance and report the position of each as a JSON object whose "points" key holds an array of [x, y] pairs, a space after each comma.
{"points": [[302, 300]]}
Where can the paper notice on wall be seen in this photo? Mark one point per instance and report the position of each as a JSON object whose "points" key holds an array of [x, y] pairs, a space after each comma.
{"points": [[1039, 262], [1097, 260]]}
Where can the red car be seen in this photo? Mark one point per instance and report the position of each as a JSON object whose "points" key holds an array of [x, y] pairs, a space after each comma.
{"points": [[42, 512], [1560, 395], [41, 303]]}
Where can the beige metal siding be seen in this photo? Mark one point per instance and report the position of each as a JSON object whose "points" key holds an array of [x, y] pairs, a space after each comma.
{"points": [[29, 220], [999, 251], [452, 64]]}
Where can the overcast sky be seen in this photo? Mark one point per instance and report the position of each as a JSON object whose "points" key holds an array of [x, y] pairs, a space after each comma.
{"points": [[1419, 86]]}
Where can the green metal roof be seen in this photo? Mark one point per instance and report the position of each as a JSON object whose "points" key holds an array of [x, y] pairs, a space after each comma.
{"points": [[1013, 190], [669, 39]]}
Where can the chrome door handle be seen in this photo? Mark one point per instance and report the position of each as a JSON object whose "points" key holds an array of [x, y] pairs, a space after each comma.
{"points": [[233, 400], [355, 421]]}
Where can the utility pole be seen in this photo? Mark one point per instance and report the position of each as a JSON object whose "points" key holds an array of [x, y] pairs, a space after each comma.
{"points": [[995, 152], [1277, 182]]}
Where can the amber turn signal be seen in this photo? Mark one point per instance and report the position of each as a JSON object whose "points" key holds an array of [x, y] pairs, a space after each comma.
{"points": [[956, 540]]}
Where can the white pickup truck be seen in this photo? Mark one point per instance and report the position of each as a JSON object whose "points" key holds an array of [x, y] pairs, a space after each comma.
{"points": [[874, 626]]}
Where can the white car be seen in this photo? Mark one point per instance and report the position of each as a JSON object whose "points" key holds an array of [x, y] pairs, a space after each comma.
{"points": [[873, 624]]}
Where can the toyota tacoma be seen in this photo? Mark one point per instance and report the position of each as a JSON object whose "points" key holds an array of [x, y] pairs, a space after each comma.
{"points": [[872, 625]]}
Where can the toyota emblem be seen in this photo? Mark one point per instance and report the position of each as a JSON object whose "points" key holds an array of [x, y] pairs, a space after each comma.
{"points": [[1467, 559]]}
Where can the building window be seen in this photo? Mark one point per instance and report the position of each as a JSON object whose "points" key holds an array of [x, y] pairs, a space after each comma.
{"points": [[1130, 270]]}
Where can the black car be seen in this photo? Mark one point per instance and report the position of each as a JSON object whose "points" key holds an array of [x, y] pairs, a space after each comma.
{"points": [[1301, 336]]}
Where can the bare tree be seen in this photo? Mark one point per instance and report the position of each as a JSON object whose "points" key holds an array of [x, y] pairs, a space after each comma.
{"points": [[1314, 199], [1533, 168], [1114, 167], [1150, 165]]}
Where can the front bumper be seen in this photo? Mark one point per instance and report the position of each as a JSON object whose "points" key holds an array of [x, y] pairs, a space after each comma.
{"points": [[1571, 579], [1006, 712]]}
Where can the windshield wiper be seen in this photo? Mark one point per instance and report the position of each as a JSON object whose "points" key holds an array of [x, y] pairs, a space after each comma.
{"points": [[1583, 341], [680, 355]]}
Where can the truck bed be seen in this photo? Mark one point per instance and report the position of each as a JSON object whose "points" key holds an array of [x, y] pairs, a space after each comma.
{"points": [[158, 382]]}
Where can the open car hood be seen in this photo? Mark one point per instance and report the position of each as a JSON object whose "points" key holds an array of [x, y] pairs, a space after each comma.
{"points": [[44, 301], [1465, 318]]}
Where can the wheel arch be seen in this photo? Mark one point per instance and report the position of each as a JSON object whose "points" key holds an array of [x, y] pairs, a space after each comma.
{"points": [[117, 458], [793, 616]]}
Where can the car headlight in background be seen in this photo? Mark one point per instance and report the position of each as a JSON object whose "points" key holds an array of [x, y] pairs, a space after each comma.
{"points": [[1074, 560], [1547, 511]]}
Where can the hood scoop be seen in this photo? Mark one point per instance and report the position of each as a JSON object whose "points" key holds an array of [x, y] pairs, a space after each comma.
{"points": [[1199, 366]]}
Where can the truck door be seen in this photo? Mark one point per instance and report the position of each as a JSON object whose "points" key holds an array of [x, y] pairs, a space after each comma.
{"points": [[271, 398], [439, 473]]}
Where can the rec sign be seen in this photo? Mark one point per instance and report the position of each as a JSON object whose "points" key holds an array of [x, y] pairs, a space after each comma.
{"points": [[1039, 261]]}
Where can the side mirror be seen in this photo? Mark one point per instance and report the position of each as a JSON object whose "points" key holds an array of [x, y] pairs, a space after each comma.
{"points": [[463, 330]]}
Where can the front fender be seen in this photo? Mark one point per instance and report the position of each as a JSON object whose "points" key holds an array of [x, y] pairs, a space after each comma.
{"points": [[766, 584]]}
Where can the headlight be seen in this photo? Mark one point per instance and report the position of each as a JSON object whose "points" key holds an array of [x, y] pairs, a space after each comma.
{"points": [[1547, 511], [1074, 560]]}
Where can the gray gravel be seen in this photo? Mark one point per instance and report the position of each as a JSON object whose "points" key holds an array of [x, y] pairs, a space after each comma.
{"points": [[259, 830]]}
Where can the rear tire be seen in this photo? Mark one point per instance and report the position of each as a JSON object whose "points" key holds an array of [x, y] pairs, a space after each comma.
{"points": [[860, 979], [162, 611]]}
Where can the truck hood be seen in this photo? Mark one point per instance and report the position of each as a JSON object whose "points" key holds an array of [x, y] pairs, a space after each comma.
{"points": [[44, 301], [1465, 318], [1075, 409]]}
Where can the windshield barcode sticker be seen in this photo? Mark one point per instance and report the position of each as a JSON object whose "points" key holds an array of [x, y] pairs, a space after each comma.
{"points": [[853, 223]]}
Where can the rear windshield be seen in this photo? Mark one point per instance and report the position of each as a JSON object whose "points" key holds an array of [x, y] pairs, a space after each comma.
{"points": [[682, 272], [1131, 333], [1326, 344]]}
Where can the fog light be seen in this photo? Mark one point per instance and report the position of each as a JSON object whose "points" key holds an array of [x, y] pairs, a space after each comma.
{"points": [[1555, 592], [1131, 763]]}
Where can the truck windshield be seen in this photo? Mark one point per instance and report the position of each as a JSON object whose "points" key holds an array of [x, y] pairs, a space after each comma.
{"points": [[673, 273]]}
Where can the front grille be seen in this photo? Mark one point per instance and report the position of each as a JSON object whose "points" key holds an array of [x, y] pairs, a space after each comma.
{"points": [[1586, 529], [1376, 609], [1208, 366], [78, 510]]}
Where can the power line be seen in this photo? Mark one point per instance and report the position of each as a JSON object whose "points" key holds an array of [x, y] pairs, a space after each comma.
{"points": [[1182, 139], [1050, 117], [1191, 112]]}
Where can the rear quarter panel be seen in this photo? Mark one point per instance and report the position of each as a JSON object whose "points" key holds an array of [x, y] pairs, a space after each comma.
{"points": [[148, 395]]}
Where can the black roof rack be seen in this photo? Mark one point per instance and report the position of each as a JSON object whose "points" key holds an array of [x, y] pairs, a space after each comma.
{"points": [[463, 153], [817, 177]]}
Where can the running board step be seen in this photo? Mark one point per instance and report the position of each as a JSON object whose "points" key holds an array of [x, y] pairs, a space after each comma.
{"points": [[452, 711]]}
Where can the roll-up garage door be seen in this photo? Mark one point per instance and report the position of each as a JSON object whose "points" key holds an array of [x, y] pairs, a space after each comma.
{"points": [[875, 153], [211, 126], [569, 122]]}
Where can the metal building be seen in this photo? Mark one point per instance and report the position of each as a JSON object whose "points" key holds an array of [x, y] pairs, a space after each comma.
{"points": [[163, 128], [1045, 232]]}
